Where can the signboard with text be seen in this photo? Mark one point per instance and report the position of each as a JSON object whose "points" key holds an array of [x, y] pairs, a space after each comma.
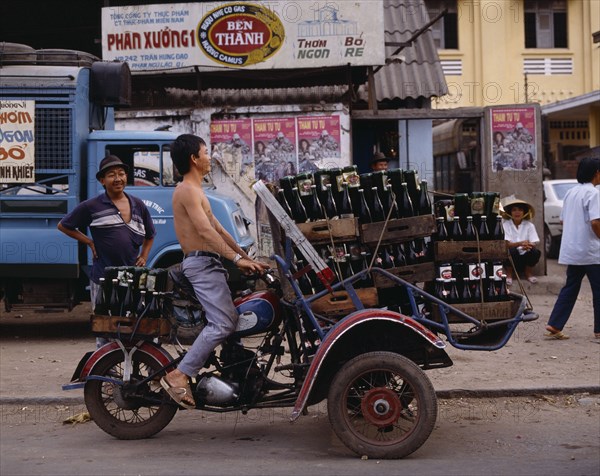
{"points": [[245, 35], [17, 143]]}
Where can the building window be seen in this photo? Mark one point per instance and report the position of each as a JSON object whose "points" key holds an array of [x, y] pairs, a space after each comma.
{"points": [[445, 30], [545, 24]]}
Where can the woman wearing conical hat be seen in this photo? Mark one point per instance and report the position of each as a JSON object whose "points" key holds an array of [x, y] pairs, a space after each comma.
{"points": [[522, 237]]}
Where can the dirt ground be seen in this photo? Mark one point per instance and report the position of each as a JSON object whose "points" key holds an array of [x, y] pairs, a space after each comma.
{"points": [[39, 352], [547, 435]]}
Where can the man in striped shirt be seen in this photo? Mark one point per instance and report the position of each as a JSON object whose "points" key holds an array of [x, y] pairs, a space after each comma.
{"points": [[119, 224]]}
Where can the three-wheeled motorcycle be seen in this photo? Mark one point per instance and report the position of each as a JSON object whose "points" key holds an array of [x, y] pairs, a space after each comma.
{"points": [[369, 364]]}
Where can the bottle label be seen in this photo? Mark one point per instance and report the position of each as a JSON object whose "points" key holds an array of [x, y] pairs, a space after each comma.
{"points": [[338, 254], [151, 282], [477, 205], [476, 271], [141, 284], [304, 187], [445, 271], [123, 275], [323, 180], [449, 209], [498, 272], [496, 205], [351, 178]]}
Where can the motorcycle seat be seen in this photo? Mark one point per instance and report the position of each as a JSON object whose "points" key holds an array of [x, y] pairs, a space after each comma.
{"points": [[182, 284]]}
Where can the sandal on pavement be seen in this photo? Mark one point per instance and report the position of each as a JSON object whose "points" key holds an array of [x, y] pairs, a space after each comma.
{"points": [[597, 335], [559, 335], [532, 279], [181, 395]]}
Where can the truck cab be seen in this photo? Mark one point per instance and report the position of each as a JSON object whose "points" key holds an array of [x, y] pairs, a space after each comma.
{"points": [[57, 124], [152, 179]]}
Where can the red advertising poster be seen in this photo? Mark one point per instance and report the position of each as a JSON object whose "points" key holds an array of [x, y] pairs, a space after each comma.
{"points": [[274, 148], [318, 142], [513, 139], [231, 146]]}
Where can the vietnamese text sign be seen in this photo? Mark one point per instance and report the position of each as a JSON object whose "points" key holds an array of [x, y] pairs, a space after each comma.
{"points": [[17, 151], [245, 35]]}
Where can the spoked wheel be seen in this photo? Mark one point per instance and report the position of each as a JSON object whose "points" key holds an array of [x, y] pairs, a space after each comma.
{"points": [[382, 405], [125, 412]]}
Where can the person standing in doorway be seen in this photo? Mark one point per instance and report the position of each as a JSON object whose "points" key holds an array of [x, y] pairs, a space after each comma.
{"points": [[379, 162], [580, 247]]}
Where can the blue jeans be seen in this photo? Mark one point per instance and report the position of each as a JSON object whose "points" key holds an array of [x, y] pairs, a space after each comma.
{"points": [[568, 295], [209, 279]]}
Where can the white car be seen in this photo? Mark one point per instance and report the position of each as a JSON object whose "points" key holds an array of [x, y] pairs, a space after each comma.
{"points": [[554, 192]]}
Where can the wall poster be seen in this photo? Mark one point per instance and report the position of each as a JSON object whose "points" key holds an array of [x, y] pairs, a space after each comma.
{"points": [[231, 142], [318, 142], [275, 148], [268, 148], [513, 138]]}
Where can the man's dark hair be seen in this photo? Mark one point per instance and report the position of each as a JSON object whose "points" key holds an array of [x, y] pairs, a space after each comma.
{"points": [[587, 169], [182, 149]]}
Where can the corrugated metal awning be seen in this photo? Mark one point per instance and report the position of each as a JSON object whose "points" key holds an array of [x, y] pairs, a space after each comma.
{"points": [[416, 71]]}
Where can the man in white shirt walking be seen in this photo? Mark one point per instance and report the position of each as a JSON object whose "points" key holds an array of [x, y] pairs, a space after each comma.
{"points": [[580, 247]]}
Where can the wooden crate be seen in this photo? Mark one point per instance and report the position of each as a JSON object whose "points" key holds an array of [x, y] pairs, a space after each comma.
{"points": [[488, 311], [318, 232], [123, 326], [338, 303], [402, 229], [470, 251], [416, 273]]}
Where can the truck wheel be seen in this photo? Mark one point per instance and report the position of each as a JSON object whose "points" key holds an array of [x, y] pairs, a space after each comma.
{"points": [[120, 413], [382, 405]]}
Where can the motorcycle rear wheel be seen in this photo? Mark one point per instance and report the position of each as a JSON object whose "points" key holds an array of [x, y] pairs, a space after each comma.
{"points": [[382, 405], [128, 418]]}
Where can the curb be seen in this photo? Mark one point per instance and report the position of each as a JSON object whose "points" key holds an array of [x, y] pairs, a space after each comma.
{"points": [[442, 394], [516, 392]]}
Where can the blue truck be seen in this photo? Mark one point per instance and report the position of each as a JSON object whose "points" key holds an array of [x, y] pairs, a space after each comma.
{"points": [[60, 103]]}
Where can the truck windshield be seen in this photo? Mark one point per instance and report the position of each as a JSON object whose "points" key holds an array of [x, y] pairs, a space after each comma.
{"points": [[151, 165]]}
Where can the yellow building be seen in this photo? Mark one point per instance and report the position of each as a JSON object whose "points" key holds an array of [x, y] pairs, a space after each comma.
{"points": [[497, 52]]}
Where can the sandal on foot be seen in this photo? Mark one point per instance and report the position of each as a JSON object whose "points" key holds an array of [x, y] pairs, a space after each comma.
{"points": [[559, 335], [597, 335], [532, 279], [181, 395]]}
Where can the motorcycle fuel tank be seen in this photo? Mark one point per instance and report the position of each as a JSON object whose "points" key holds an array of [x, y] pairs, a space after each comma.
{"points": [[259, 312]]}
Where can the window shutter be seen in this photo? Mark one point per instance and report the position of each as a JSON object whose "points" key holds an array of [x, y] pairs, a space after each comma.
{"points": [[560, 30], [451, 31], [530, 36]]}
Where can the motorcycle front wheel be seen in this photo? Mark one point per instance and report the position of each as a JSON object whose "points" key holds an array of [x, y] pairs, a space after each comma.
{"points": [[122, 413], [382, 405]]}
